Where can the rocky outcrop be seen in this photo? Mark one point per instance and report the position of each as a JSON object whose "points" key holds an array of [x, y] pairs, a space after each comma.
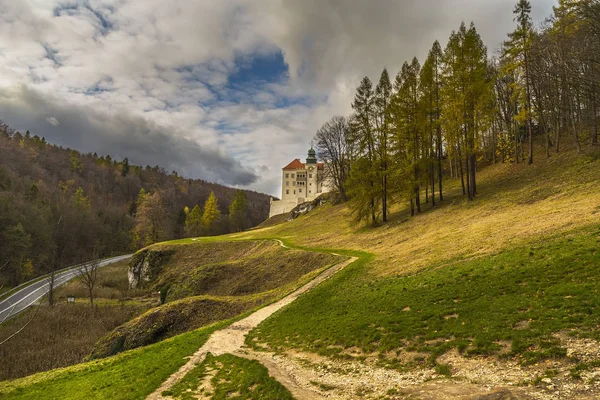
{"points": [[146, 265], [307, 207]]}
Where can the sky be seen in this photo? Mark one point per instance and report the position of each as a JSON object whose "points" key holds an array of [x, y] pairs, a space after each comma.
{"points": [[229, 91]]}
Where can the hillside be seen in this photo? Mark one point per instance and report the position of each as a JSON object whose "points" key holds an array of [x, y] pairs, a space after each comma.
{"points": [[491, 297], [59, 207]]}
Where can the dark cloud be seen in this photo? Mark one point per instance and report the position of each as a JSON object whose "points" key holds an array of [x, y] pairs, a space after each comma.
{"points": [[120, 135]]}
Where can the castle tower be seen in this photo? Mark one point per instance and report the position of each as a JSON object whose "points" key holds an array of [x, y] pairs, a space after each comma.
{"points": [[312, 172]]}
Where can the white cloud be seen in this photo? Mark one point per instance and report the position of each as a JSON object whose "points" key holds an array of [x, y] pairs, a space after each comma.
{"points": [[164, 66], [52, 121]]}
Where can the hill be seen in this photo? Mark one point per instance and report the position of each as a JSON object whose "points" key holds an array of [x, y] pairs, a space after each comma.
{"points": [[491, 297], [59, 207]]}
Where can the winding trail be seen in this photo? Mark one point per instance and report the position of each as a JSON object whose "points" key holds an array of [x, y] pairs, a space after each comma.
{"points": [[231, 340]]}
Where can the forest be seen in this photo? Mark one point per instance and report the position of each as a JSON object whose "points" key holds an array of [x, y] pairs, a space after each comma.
{"points": [[462, 109], [59, 207]]}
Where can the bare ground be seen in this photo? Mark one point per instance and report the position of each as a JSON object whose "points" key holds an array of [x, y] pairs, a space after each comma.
{"points": [[478, 378]]}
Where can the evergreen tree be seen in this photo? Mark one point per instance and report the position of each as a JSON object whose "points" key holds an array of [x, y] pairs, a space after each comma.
{"points": [[364, 182], [193, 222], [211, 216], [407, 139], [516, 52], [238, 212], [430, 81], [151, 221], [125, 167], [383, 93], [74, 162]]}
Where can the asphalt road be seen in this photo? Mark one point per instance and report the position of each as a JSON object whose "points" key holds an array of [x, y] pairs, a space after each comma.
{"points": [[30, 294]]}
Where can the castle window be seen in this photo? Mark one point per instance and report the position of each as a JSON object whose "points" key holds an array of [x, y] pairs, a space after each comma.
{"points": [[287, 175], [292, 176], [294, 192], [300, 190], [310, 176], [287, 183], [310, 191], [287, 191]]}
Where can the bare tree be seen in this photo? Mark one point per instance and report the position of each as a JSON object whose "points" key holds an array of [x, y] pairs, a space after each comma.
{"points": [[89, 276], [333, 145]]}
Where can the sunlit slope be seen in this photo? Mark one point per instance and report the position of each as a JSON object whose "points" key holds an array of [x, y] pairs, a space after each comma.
{"points": [[501, 275], [516, 203]]}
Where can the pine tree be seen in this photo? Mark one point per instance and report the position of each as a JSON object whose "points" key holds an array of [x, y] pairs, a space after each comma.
{"points": [[152, 224], [517, 52], [466, 86], [211, 216], [193, 222], [364, 182], [238, 212], [430, 81], [125, 167], [74, 162], [407, 139], [383, 93]]}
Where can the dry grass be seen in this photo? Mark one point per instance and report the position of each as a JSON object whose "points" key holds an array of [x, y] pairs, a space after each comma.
{"points": [[517, 204], [234, 268], [210, 280], [66, 334]]}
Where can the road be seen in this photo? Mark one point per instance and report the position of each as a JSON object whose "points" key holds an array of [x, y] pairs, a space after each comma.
{"points": [[30, 294]]}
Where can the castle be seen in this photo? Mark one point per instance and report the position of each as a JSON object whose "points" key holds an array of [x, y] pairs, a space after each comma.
{"points": [[300, 182]]}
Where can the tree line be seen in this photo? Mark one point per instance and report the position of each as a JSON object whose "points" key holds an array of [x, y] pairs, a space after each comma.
{"points": [[461, 108], [59, 207]]}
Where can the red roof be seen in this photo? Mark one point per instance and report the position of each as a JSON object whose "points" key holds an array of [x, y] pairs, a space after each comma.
{"points": [[296, 164]]}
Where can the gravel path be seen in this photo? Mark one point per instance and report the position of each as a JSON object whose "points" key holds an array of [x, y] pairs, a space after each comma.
{"points": [[231, 339]]}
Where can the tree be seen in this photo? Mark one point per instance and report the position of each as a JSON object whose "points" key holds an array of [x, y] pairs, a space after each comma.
{"points": [[238, 212], [430, 81], [74, 162], [15, 244], [407, 139], [88, 271], [383, 93], [517, 54], [466, 91], [333, 144], [152, 224], [212, 215], [364, 183], [193, 222], [125, 168]]}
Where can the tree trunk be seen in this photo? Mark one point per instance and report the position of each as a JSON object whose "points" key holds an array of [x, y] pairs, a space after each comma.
{"points": [[439, 157], [90, 291], [462, 178]]}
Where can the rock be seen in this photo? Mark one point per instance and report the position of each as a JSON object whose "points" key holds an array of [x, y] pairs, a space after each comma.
{"points": [[307, 207], [146, 265]]}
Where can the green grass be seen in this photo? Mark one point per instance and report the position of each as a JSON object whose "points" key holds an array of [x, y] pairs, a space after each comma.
{"points": [[234, 378], [473, 305], [131, 375]]}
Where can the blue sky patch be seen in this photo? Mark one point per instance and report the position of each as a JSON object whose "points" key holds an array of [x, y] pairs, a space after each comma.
{"points": [[269, 68]]}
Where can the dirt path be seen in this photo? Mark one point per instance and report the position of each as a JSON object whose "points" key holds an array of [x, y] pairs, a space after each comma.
{"points": [[231, 339]]}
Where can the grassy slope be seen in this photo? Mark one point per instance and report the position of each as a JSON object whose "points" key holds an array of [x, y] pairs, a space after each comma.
{"points": [[516, 204], [136, 373], [524, 254], [526, 249], [234, 378], [131, 375], [41, 346], [213, 280]]}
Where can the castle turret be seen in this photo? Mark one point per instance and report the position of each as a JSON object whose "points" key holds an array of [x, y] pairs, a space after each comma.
{"points": [[312, 156]]}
